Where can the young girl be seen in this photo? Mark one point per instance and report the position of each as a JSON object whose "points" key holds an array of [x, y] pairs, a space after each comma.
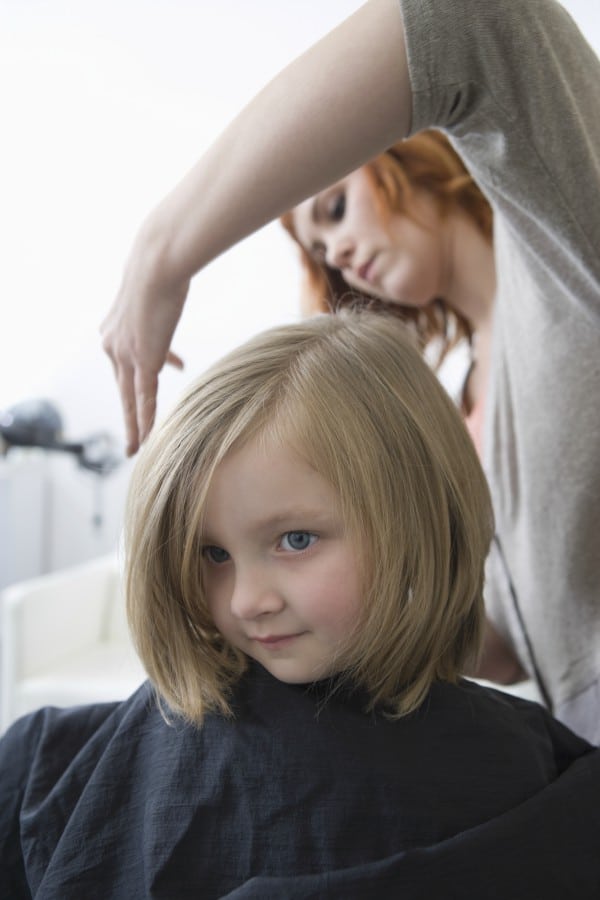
{"points": [[366, 478], [305, 544], [514, 86]]}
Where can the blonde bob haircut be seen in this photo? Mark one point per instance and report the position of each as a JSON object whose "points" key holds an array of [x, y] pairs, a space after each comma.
{"points": [[351, 393], [425, 162]]}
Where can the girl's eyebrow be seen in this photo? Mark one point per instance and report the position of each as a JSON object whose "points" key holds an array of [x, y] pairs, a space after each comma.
{"points": [[296, 516], [288, 519]]}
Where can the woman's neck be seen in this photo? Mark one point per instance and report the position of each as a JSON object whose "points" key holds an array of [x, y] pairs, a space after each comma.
{"points": [[471, 275], [470, 291]]}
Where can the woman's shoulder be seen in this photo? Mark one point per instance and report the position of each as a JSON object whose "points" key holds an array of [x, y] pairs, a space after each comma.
{"points": [[515, 88]]}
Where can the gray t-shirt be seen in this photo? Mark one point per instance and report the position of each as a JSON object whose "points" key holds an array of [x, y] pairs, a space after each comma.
{"points": [[517, 89]]}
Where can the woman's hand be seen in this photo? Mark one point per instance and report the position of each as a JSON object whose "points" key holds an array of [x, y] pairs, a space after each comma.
{"points": [[137, 334], [262, 165]]}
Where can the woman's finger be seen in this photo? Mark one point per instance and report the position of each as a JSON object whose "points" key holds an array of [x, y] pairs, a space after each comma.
{"points": [[174, 360], [125, 380], [146, 388]]}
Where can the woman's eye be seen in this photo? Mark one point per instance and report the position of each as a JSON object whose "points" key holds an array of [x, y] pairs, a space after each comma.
{"points": [[337, 207], [215, 554], [297, 540]]}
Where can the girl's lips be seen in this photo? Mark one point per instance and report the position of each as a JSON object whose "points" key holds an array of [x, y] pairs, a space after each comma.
{"points": [[273, 641]]}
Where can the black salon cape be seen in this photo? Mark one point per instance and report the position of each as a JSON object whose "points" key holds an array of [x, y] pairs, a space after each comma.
{"points": [[477, 795]]}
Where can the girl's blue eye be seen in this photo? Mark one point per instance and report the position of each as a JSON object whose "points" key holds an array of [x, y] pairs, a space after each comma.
{"points": [[297, 540], [215, 554]]}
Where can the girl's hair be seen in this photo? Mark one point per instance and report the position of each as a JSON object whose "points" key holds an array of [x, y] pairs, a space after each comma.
{"points": [[425, 162], [351, 393]]}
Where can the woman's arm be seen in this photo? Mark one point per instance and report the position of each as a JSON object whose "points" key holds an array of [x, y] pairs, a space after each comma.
{"points": [[343, 101], [498, 662]]}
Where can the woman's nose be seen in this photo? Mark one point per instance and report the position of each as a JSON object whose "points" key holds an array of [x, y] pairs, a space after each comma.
{"points": [[255, 595], [340, 251]]}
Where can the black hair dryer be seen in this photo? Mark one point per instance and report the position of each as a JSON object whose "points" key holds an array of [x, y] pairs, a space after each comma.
{"points": [[37, 423]]}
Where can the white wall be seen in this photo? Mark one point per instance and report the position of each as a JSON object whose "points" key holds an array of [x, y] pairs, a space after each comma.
{"points": [[105, 103]]}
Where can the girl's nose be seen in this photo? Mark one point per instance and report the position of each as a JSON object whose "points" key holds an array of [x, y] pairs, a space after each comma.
{"points": [[253, 596]]}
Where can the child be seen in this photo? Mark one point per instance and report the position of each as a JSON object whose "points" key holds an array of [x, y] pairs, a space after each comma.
{"points": [[305, 543]]}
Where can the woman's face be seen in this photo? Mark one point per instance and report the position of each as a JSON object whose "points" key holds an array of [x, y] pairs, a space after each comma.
{"points": [[399, 259]]}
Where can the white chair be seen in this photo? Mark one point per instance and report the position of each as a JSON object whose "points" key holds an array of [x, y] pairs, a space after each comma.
{"points": [[65, 640]]}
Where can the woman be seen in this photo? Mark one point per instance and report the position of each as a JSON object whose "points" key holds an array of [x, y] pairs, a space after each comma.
{"points": [[515, 86], [410, 231]]}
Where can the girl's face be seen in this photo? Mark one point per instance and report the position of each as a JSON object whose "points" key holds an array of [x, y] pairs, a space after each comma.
{"points": [[280, 571], [398, 259]]}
